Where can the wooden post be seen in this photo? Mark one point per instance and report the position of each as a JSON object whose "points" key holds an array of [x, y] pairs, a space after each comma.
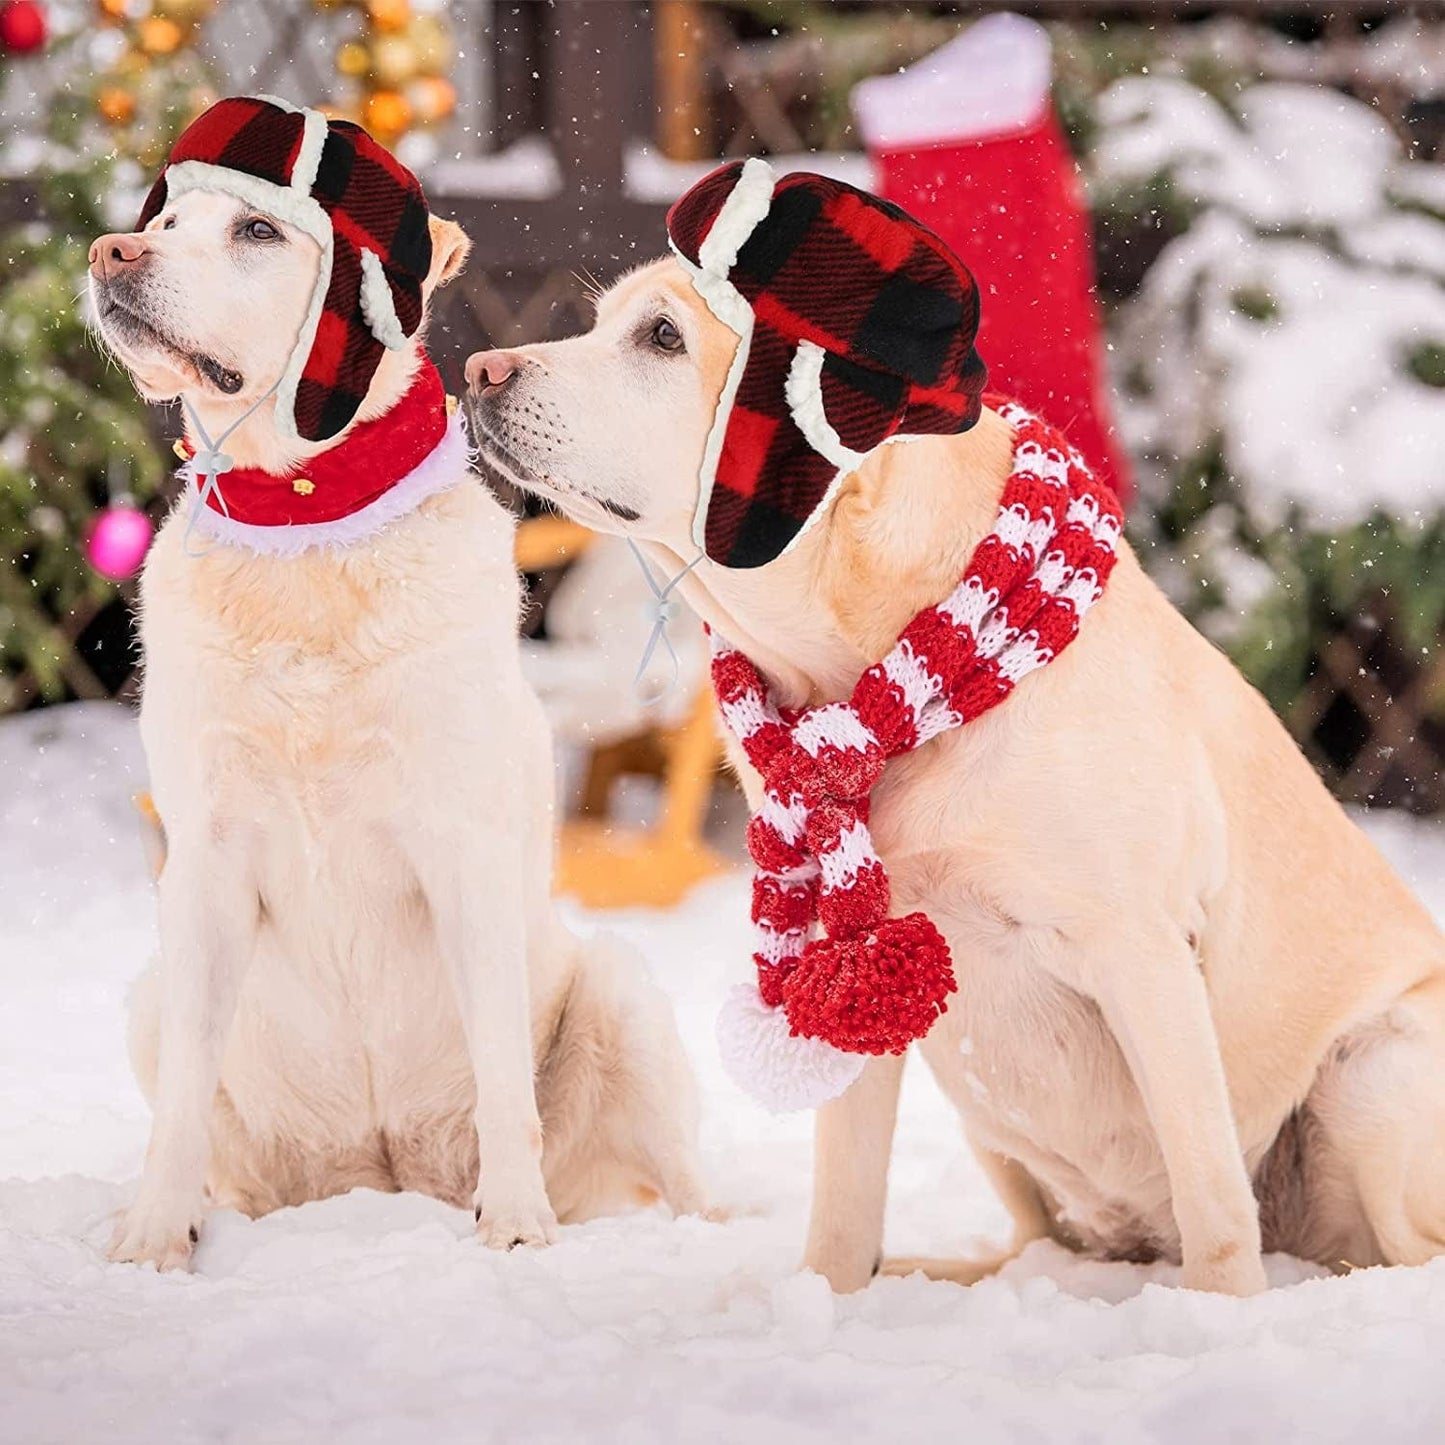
{"points": [[684, 118], [593, 60]]}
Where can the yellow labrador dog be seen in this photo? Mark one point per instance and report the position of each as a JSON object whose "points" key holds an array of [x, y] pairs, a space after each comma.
{"points": [[358, 943], [1198, 1016]]}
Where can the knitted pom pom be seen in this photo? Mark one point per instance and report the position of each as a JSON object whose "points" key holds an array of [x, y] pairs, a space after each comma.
{"points": [[872, 994], [780, 1070]]}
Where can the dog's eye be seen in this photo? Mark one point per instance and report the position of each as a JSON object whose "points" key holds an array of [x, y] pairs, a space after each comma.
{"points": [[665, 335], [169, 224], [258, 230]]}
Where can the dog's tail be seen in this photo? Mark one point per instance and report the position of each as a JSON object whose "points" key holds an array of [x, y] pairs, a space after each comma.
{"points": [[615, 1091]]}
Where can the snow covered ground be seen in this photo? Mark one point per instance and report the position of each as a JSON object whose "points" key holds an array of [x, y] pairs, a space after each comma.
{"points": [[377, 1318]]}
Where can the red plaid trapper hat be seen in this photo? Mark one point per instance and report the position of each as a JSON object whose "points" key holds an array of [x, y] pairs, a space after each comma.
{"points": [[856, 325], [364, 209]]}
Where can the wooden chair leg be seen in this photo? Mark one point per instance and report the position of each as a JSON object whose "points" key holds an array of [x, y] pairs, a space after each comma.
{"points": [[694, 753], [606, 866]]}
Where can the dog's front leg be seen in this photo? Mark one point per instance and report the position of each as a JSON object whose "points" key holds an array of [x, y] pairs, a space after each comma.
{"points": [[852, 1141], [1155, 1000], [477, 894], [209, 916]]}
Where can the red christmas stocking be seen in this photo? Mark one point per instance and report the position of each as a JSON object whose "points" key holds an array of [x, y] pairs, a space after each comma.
{"points": [[967, 141]]}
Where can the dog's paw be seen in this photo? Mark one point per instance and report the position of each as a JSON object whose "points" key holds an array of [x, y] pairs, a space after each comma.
{"points": [[846, 1270], [955, 1271], [164, 1239], [510, 1225], [1233, 1271]]}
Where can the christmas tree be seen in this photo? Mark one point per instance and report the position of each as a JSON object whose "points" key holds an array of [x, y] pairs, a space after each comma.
{"points": [[78, 449], [74, 437]]}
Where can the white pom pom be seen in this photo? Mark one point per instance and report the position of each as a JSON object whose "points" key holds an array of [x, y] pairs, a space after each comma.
{"points": [[780, 1071]]}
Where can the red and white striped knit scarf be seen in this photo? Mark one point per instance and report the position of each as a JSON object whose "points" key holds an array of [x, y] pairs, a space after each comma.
{"points": [[875, 983]]}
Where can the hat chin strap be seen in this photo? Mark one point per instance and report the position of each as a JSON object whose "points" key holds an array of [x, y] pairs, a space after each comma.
{"points": [[661, 609], [210, 462]]}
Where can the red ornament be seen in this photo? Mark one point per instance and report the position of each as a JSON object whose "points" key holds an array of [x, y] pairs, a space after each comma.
{"points": [[22, 26]]}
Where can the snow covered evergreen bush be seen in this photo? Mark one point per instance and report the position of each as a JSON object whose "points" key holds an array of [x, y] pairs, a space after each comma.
{"points": [[1284, 366]]}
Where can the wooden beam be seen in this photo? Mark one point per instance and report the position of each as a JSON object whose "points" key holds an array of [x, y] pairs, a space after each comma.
{"points": [[604, 233], [592, 92], [514, 34], [684, 116]]}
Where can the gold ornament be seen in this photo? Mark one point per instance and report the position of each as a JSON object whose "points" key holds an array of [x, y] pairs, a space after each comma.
{"points": [[393, 60], [433, 98], [116, 105], [159, 35], [386, 115], [389, 14], [114, 10], [186, 13], [432, 42], [400, 59], [132, 65], [353, 59]]}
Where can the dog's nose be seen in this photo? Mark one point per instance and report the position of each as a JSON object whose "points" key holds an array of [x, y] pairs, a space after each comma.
{"points": [[489, 369], [113, 253]]}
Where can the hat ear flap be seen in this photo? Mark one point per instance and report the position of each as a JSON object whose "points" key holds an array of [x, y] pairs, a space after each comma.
{"points": [[369, 308], [344, 353], [863, 406], [770, 478], [692, 215], [953, 408], [391, 301], [843, 409]]}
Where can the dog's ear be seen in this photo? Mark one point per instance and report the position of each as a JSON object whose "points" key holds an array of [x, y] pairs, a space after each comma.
{"points": [[450, 248]]}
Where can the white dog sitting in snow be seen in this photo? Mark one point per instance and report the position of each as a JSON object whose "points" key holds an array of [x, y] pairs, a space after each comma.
{"points": [[1197, 1014], [362, 981]]}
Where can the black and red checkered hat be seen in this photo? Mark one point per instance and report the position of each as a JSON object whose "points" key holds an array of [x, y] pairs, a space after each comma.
{"points": [[364, 209], [856, 325]]}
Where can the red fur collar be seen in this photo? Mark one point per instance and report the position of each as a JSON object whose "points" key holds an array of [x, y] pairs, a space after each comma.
{"points": [[347, 478]]}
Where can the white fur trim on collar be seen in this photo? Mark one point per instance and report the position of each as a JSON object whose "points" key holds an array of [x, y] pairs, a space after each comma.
{"points": [[446, 466], [377, 305]]}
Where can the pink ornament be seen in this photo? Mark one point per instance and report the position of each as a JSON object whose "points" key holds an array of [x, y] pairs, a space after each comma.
{"points": [[117, 542]]}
